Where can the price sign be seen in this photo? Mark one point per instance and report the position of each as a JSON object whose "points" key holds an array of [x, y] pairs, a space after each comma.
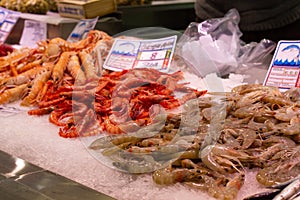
{"points": [[81, 29], [33, 32], [284, 70], [8, 19], [127, 54]]}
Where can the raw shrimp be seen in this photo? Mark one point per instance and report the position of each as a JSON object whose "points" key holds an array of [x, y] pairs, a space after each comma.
{"points": [[250, 98], [135, 164], [281, 171], [31, 65], [13, 94], [110, 127], [168, 176], [75, 70], [88, 63], [221, 158], [293, 94], [287, 113], [108, 141], [278, 100], [36, 87], [22, 77], [248, 88], [60, 66]]}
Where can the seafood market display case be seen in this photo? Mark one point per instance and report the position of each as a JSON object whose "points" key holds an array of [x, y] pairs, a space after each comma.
{"points": [[80, 124]]}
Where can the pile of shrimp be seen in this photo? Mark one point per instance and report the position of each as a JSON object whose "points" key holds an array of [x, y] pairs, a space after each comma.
{"points": [[212, 142], [66, 81], [25, 73], [207, 144], [116, 103]]}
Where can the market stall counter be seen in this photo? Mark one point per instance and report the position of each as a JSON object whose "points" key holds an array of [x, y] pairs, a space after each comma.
{"points": [[203, 129], [20, 179], [35, 140]]}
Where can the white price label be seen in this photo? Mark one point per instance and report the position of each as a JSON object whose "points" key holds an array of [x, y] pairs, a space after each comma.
{"points": [[8, 19], [128, 54], [33, 32], [81, 29], [284, 70]]}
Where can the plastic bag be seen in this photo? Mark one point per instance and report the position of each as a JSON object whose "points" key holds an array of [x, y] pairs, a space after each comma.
{"points": [[214, 46]]}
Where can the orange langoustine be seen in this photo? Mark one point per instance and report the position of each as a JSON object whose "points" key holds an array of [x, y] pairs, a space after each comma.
{"points": [[25, 66], [69, 84]]}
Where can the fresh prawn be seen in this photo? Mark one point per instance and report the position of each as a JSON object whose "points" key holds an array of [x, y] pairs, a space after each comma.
{"points": [[111, 128], [41, 111], [278, 100], [168, 176], [60, 66], [31, 65], [13, 70], [13, 94], [75, 70], [37, 86], [287, 113], [286, 169], [22, 77], [108, 141], [88, 64], [211, 154]]}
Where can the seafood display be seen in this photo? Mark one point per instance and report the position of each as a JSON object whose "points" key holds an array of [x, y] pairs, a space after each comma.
{"points": [[146, 121], [32, 75], [116, 103], [66, 81], [215, 139]]}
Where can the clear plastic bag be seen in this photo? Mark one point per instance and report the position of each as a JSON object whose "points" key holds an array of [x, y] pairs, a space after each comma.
{"points": [[214, 46]]}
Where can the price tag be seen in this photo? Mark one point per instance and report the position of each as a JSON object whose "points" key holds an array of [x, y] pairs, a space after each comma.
{"points": [[128, 54], [8, 19], [81, 29], [33, 32], [284, 70]]}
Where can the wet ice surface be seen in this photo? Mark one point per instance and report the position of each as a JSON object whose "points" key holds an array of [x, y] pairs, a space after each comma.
{"points": [[36, 140]]}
